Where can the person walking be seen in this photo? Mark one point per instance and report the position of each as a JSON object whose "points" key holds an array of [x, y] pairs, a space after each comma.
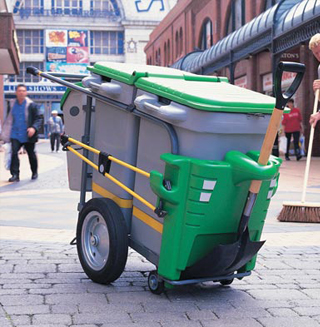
{"points": [[21, 128], [292, 126], [314, 46], [55, 130]]}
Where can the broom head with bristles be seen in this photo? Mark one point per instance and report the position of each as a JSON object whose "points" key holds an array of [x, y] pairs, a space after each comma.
{"points": [[303, 212]]}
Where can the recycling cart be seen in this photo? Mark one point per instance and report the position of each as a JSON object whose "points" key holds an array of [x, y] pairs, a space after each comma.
{"points": [[169, 157]]}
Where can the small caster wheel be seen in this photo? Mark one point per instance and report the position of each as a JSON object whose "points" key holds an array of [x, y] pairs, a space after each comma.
{"points": [[226, 282], [156, 286]]}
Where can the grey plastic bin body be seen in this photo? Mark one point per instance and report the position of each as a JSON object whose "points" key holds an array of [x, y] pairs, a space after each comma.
{"points": [[116, 133], [74, 119]]}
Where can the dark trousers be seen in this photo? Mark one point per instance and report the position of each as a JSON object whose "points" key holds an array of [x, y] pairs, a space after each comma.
{"points": [[15, 163], [296, 136], [55, 137]]}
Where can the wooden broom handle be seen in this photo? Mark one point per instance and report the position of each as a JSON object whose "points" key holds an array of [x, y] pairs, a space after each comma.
{"points": [[275, 120], [306, 172], [267, 145]]}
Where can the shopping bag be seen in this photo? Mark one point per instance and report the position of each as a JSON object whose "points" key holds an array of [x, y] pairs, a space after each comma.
{"points": [[302, 145], [7, 155]]}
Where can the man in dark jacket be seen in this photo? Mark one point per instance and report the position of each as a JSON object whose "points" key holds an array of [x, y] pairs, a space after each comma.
{"points": [[21, 128]]}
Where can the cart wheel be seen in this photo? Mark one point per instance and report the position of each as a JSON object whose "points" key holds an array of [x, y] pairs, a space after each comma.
{"points": [[226, 282], [156, 286], [102, 240]]}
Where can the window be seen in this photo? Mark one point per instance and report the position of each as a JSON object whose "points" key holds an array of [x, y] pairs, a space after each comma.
{"points": [[66, 6], [107, 7], [206, 38], [237, 16], [158, 57], [103, 5], [106, 43], [30, 41], [168, 51], [33, 4], [165, 54], [177, 44], [181, 41], [24, 77]]}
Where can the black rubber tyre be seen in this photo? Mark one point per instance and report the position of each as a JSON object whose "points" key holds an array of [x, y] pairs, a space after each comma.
{"points": [[226, 282], [156, 285], [102, 240]]}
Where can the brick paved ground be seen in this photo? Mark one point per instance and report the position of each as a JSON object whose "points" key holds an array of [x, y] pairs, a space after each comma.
{"points": [[42, 282]]}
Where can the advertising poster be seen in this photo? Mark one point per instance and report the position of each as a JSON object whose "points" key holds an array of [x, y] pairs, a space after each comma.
{"points": [[77, 55], [77, 38], [56, 38], [67, 51], [56, 54], [63, 67]]}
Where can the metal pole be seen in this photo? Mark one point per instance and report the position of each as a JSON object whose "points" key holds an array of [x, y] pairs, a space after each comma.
{"points": [[85, 140]]}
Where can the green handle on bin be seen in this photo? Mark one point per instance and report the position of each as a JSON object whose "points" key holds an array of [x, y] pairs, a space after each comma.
{"points": [[244, 167]]}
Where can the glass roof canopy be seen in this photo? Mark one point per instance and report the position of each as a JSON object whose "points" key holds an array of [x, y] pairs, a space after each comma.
{"points": [[279, 28]]}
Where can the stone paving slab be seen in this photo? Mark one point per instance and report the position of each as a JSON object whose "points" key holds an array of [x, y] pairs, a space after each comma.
{"points": [[69, 298]]}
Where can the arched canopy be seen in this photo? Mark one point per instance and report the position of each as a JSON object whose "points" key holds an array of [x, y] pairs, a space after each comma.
{"points": [[284, 25]]}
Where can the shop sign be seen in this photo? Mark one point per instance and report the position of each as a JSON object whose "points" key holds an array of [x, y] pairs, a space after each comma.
{"points": [[267, 83], [287, 79], [36, 88], [241, 82], [292, 55]]}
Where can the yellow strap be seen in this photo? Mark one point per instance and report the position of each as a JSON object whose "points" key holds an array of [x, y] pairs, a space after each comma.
{"points": [[153, 223], [134, 194], [120, 162], [122, 203]]}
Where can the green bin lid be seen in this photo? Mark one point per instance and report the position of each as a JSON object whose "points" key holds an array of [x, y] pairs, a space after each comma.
{"points": [[209, 96], [130, 73]]}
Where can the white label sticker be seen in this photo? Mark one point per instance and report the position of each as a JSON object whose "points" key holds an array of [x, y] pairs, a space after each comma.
{"points": [[270, 194], [205, 197], [209, 185], [273, 183]]}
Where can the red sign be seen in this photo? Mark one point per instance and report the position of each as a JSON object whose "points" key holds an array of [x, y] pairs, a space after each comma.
{"points": [[241, 82]]}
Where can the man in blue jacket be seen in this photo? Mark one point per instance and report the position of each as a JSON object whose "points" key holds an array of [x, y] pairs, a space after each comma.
{"points": [[21, 128]]}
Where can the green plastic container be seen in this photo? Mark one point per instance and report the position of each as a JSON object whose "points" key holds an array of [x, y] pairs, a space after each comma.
{"points": [[192, 228]]}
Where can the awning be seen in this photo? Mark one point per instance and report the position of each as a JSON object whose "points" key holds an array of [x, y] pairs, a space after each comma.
{"points": [[258, 35], [9, 50], [297, 24]]}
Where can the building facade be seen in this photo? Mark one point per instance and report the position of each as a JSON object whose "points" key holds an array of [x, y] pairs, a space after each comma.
{"points": [[9, 50], [243, 40], [69, 35]]}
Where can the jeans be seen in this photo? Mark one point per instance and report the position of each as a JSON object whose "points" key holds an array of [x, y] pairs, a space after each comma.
{"points": [[15, 163], [296, 136], [55, 137]]}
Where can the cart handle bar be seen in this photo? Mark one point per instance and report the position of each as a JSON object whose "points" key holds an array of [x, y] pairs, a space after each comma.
{"points": [[114, 180], [110, 157]]}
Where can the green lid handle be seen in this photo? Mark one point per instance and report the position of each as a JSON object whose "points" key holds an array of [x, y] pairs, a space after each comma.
{"points": [[282, 99]]}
